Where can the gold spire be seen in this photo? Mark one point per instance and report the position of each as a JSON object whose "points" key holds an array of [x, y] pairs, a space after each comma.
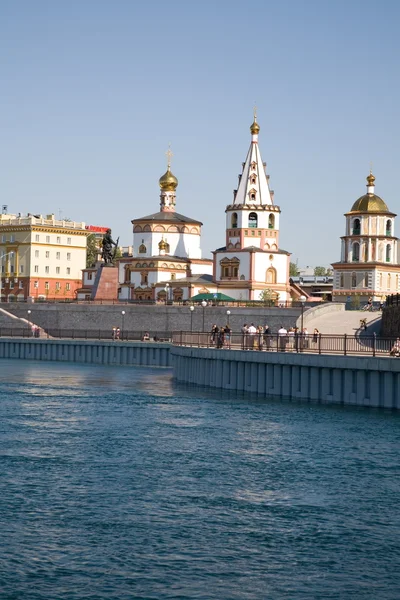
{"points": [[255, 128], [370, 179], [168, 182], [163, 244]]}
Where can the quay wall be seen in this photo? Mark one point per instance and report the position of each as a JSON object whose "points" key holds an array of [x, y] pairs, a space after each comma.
{"points": [[146, 354], [347, 380], [159, 317]]}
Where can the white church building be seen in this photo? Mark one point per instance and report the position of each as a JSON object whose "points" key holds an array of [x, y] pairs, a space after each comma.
{"points": [[252, 264]]}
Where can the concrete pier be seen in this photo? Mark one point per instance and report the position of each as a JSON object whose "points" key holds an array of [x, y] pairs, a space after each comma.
{"points": [[349, 380], [96, 352]]}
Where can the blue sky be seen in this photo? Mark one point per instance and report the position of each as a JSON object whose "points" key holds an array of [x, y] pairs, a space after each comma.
{"points": [[93, 91]]}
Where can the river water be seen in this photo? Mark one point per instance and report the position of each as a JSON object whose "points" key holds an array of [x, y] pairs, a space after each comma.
{"points": [[116, 484]]}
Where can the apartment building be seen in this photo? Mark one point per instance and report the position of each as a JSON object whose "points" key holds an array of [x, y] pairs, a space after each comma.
{"points": [[40, 257]]}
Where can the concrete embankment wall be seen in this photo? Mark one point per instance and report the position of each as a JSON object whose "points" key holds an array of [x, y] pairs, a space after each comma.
{"points": [[329, 379], [96, 352], [148, 317]]}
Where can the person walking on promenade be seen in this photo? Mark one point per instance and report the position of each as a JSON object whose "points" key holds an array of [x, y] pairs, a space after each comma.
{"points": [[315, 336], [260, 337], [227, 336], [244, 336], [282, 336], [251, 333], [267, 337], [214, 334], [291, 339]]}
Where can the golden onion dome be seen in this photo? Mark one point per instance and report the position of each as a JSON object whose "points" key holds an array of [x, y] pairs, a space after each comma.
{"points": [[162, 245], [370, 202], [168, 182], [254, 128]]}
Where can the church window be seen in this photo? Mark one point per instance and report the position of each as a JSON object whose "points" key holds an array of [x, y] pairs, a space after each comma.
{"points": [[353, 280], [389, 227], [226, 271], [253, 166], [142, 249], [356, 252], [234, 220], [144, 279], [235, 271], [271, 275], [252, 194], [173, 275], [271, 222], [389, 281], [253, 220], [229, 268], [388, 252], [253, 179], [356, 227], [341, 280]]}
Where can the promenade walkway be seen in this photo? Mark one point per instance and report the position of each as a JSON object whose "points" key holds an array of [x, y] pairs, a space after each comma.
{"points": [[348, 321]]}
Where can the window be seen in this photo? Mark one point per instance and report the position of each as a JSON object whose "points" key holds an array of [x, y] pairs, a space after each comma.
{"points": [[355, 252], [47, 254], [11, 268], [46, 285], [234, 219], [389, 281], [144, 278], [36, 238], [380, 280], [246, 232], [259, 233], [46, 269], [253, 179], [67, 287], [90, 276], [173, 275], [21, 285], [36, 253], [36, 284], [12, 238], [253, 220], [69, 272], [229, 268], [388, 252], [3, 238], [68, 255], [36, 269], [389, 227], [11, 285], [341, 280], [57, 270], [142, 249], [58, 240], [47, 239], [58, 286], [69, 241], [58, 255], [226, 271], [271, 222], [353, 280], [271, 275], [21, 268], [356, 227]]}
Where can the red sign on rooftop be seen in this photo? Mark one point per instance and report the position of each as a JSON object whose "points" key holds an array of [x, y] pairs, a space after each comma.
{"points": [[96, 228]]}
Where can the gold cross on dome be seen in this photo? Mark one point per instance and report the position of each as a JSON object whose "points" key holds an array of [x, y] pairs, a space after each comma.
{"points": [[169, 154], [255, 111]]}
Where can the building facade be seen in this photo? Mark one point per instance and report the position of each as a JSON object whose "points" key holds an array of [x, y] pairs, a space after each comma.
{"points": [[40, 257], [251, 265], [368, 265]]}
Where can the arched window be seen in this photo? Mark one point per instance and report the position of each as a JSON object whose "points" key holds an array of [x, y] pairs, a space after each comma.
{"points": [[142, 249], [253, 219], [356, 227], [353, 280], [388, 252], [356, 252], [271, 222], [234, 221], [389, 281], [252, 194], [253, 179], [271, 275], [389, 227]]}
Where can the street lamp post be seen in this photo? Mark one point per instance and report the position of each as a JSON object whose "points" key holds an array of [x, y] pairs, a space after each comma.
{"points": [[191, 308], [302, 300], [228, 314], [204, 304], [123, 322], [29, 319], [166, 293]]}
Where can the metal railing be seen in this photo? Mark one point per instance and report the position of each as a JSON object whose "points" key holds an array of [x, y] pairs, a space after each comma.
{"points": [[86, 334], [314, 344], [393, 300]]}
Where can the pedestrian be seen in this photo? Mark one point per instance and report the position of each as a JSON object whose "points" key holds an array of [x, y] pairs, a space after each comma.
{"points": [[227, 330], [260, 337], [305, 337], [244, 336], [315, 336], [214, 334], [282, 336], [220, 337], [251, 333], [117, 333], [291, 338], [267, 337]]}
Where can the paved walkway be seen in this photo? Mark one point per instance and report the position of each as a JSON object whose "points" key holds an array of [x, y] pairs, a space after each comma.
{"points": [[347, 321]]}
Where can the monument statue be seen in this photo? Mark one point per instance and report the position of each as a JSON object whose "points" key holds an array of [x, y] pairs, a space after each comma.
{"points": [[107, 252]]}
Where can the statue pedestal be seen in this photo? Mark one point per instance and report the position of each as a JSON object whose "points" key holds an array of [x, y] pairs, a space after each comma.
{"points": [[106, 283]]}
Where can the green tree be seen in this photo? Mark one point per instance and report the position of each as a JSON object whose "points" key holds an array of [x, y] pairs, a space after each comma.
{"points": [[293, 270], [269, 297], [319, 271], [92, 251]]}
